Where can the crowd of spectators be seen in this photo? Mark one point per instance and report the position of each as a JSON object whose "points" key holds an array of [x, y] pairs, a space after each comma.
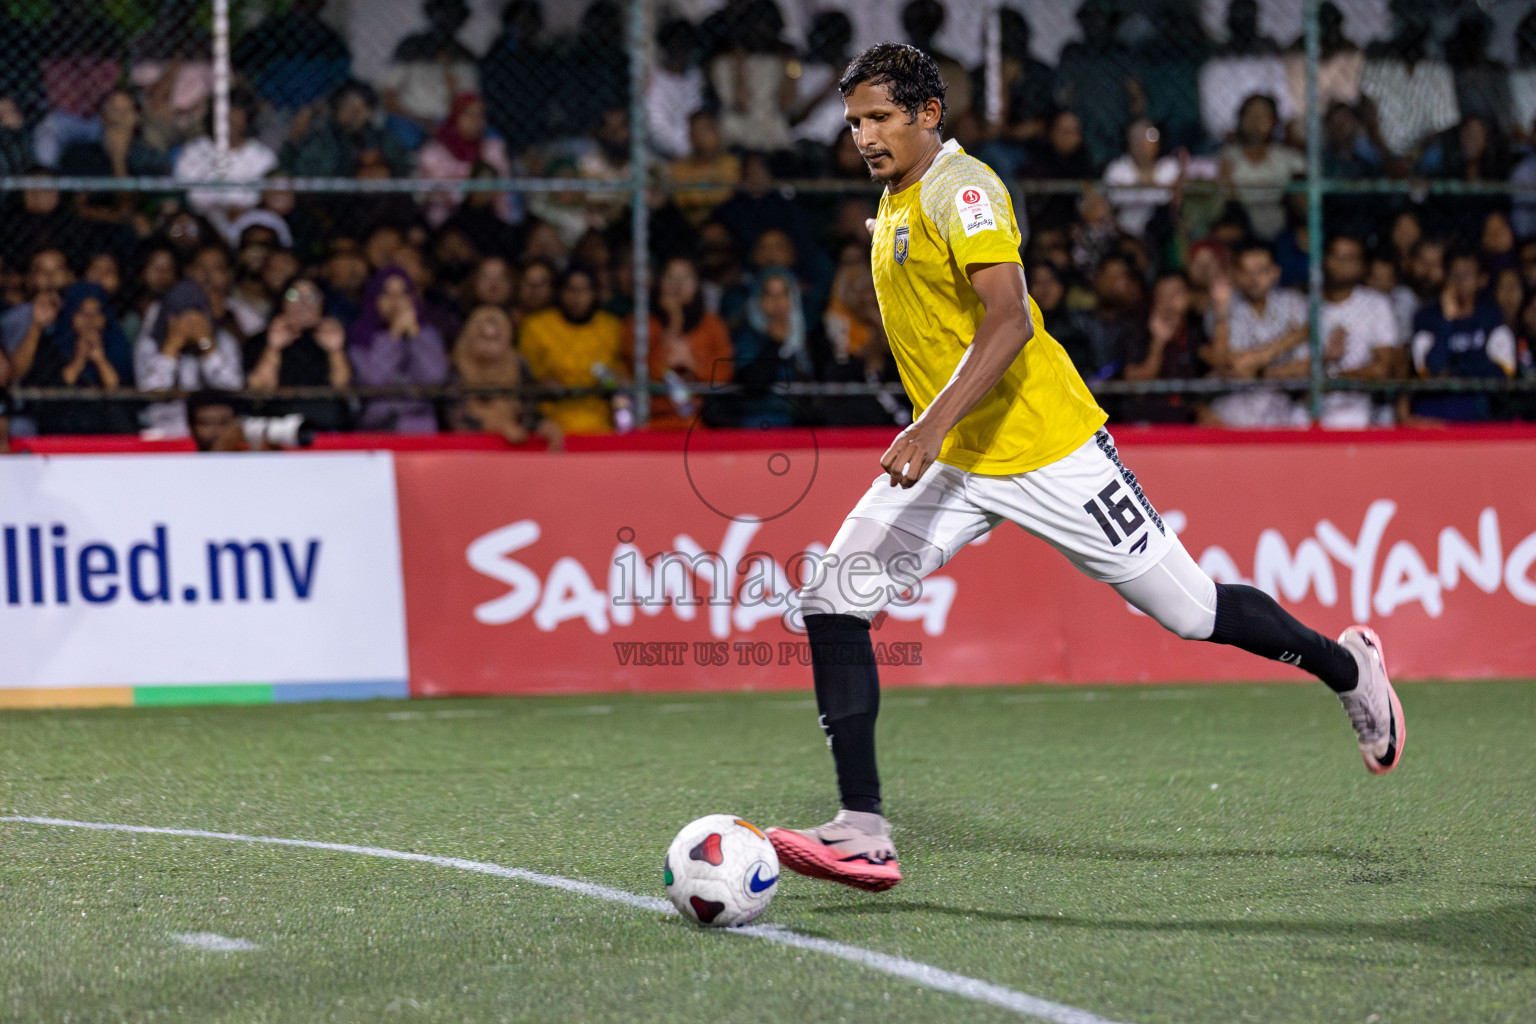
{"points": [[1179, 257]]}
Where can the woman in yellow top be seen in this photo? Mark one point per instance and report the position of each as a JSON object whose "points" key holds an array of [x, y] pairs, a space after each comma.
{"points": [[575, 345]]}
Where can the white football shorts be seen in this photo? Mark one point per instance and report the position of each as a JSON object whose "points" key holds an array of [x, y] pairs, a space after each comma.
{"points": [[1087, 505]]}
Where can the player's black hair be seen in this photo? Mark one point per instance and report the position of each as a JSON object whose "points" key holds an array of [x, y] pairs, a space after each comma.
{"points": [[911, 76]]}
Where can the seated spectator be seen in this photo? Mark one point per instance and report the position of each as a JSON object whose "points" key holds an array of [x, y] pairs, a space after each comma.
{"points": [[517, 76], [686, 345], [81, 52], [1522, 77], [724, 280], [574, 344], [153, 275], [1070, 327], [348, 144], [675, 89], [608, 161], [1460, 335], [293, 59], [1062, 154], [120, 153], [1508, 291], [171, 66], [427, 71], [1473, 152], [922, 20], [250, 160], [301, 347], [343, 276], [485, 357], [1258, 167], [42, 220], [1414, 93], [1143, 180], [1254, 324], [1426, 270], [535, 289], [183, 348], [1095, 232], [81, 346], [492, 221], [817, 118], [210, 268], [15, 137], [1168, 349], [1496, 246], [492, 283], [707, 160], [48, 274], [1096, 80], [1381, 275], [1340, 62], [1482, 83], [439, 308], [458, 145], [1026, 87], [752, 79], [1359, 337], [771, 347], [391, 343], [1118, 312], [102, 268], [852, 348], [1247, 64], [1208, 263], [1168, 48]]}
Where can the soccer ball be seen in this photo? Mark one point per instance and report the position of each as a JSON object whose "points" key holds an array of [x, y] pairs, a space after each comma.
{"points": [[721, 871]]}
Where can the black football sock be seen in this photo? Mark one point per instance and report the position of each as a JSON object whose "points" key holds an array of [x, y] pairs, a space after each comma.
{"points": [[848, 697], [1248, 618]]}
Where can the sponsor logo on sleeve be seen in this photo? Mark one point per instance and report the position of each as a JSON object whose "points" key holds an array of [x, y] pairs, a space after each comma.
{"points": [[975, 210]]}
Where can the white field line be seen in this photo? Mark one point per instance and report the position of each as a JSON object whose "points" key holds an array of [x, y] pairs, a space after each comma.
{"points": [[914, 971], [214, 942]]}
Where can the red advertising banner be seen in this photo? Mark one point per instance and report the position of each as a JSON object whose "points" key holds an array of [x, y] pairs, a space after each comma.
{"points": [[528, 572]]}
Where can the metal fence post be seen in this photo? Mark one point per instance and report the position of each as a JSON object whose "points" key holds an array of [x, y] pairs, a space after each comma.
{"points": [[221, 88], [639, 164], [1315, 241]]}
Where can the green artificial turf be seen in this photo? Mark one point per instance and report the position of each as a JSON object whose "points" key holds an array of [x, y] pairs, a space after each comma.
{"points": [[1195, 854]]}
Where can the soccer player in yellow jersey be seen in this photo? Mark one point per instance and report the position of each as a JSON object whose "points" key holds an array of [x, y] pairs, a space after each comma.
{"points": [[1005, 430]]}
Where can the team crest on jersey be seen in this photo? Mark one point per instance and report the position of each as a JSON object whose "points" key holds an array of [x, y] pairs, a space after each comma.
{"points": [[899, 249]]}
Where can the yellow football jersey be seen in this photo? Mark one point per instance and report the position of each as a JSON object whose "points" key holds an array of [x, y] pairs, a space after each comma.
{"points": [[959, 213]]}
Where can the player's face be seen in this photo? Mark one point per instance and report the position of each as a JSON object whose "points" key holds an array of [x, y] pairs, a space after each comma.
{"points": [[890, 140]]}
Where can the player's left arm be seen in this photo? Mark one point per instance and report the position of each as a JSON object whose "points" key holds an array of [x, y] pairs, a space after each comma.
{"points": [[1003, 332]]}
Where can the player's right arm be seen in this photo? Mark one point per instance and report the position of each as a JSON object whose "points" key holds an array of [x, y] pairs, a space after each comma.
{"points": [[1004, 330]]}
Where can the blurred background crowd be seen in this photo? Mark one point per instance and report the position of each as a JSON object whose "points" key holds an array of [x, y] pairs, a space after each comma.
{"points": [[1154, 163]]}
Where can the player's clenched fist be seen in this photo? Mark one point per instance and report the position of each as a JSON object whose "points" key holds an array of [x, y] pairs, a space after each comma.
{"points": [[910, 455]]}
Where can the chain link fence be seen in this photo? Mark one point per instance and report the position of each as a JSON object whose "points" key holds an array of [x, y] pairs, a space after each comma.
{"points": [[396, 215]]}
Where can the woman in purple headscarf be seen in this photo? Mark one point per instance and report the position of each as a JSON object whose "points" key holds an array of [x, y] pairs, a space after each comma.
{"points": [[391, 343]]}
